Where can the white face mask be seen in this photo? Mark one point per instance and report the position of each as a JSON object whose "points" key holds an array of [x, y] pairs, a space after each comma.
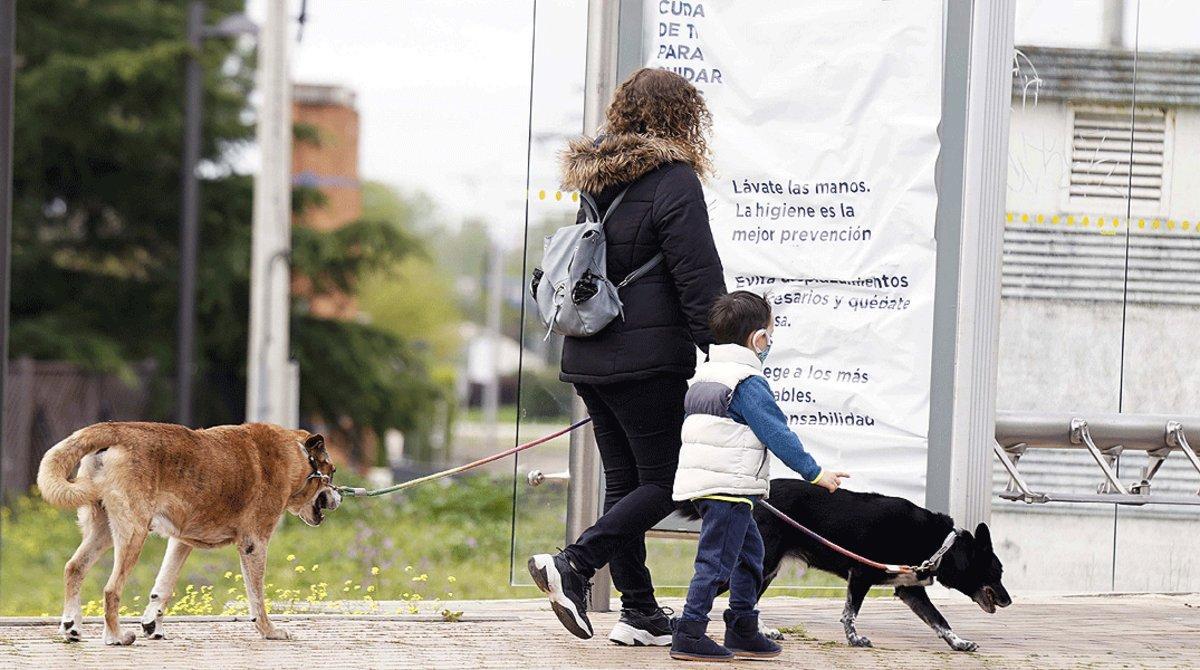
{"points": [[762, 355]]}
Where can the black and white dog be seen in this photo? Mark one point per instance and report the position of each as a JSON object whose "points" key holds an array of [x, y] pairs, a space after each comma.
{"points": [[888, 530]]}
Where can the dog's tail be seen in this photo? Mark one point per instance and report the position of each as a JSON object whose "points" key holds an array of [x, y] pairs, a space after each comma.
{"points": [[58, 463]]}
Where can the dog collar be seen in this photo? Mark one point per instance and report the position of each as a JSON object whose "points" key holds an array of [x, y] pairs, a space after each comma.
{"points": [[312, 463], [931, 564]]}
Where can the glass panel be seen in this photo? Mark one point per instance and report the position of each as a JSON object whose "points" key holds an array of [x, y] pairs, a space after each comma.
{"points": [[1063, 280], [544, 405], [539, 511], [1162, 299]]}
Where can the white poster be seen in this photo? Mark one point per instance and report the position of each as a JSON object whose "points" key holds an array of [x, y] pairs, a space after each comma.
{"points": [[824, 141]]}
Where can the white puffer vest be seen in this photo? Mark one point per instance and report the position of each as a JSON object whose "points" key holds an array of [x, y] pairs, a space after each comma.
{"points": [[720, 455]]}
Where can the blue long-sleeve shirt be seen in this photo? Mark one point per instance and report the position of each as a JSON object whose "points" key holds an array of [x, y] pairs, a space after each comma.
{"points": [[753, 404]]}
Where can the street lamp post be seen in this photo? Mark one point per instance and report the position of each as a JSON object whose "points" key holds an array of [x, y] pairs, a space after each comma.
{"points": [[189, 222], [8, 16]]}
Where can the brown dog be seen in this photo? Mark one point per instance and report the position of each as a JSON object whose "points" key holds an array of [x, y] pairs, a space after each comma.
{"points": [[199, 488]]}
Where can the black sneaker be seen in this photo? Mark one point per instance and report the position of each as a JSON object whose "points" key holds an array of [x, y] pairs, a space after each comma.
{"points": [[570, 594], [642, 629]]}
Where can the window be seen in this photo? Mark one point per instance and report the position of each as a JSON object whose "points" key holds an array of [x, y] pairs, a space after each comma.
{"points": [[1102, 160]]}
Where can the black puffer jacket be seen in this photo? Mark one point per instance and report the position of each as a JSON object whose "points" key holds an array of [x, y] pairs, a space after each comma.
{"points": [[666, 311]]}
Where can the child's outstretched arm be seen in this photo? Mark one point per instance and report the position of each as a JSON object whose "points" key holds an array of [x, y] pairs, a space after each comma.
{"points": [[754, 405]]}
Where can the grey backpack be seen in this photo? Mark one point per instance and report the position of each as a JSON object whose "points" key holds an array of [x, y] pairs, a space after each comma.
{"points": [[574, 296]]}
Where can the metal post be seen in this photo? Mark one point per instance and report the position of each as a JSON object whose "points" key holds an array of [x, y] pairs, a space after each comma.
{"points": [[977, 76], [268, 372], [495, 297], [629, 42], [585, 491], [1113, 23], [189, 224], [8, 17]]}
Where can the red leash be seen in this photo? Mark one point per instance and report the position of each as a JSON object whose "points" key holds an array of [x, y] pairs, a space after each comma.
{"points": [[894, 569], [364, 493]]}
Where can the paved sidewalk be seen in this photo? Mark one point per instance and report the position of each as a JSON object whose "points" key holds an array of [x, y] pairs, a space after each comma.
{"points": [[1050, 632]]}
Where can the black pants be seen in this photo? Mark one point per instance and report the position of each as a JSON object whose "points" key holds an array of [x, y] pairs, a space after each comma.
{"points": [[637, 428]]}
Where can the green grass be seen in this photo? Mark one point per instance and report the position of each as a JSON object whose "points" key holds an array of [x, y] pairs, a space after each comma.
{"points": [[446, 540]]}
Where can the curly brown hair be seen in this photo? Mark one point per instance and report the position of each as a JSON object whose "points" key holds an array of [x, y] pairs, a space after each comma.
{"points": [[660, 103]]}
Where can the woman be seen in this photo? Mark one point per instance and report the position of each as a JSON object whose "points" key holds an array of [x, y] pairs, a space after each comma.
{"points": [[632, 375]]}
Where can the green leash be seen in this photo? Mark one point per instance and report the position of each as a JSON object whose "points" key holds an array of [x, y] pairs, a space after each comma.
{"points": [[356, 492]]}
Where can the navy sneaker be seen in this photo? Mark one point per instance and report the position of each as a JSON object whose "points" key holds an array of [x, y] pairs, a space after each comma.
{"points": [[691, 644], [744, 639], [644, 629], [570, 592]]}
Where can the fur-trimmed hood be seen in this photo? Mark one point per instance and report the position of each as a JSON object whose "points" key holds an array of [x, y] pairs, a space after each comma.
{"points": [[591, 165]]}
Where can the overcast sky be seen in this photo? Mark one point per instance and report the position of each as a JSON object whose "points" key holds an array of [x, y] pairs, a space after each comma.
{"points": [[444, 85]]}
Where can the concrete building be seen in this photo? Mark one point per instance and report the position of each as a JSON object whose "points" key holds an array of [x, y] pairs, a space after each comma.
{"points": [[1101, 303]]}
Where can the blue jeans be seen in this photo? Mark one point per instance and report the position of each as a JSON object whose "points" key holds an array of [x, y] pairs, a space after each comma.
{"points": [[730, 553]]}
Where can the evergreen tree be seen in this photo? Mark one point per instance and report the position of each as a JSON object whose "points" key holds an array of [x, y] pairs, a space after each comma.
{"points": [[98, 133]]}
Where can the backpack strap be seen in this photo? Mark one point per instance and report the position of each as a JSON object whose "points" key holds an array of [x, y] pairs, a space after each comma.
{"points": [[592, 212], [589, 207], [641, 271]]}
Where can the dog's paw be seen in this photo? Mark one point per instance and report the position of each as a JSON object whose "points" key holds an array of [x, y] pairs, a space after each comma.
{"points": [[277, 634], [958, 644], [153, 629], [857, 640], [151, 622], [771, 633], [121, 639], [69, 629]]}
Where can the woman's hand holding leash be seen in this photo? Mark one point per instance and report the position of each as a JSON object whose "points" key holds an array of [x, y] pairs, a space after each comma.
{"points": [[831, 481]]}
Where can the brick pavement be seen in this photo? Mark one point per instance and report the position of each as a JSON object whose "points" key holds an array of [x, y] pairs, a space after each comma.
{"points": [[1090, 633]]}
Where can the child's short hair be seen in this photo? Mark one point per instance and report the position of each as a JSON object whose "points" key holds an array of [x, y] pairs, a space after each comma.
{"points": [[734, 317]]}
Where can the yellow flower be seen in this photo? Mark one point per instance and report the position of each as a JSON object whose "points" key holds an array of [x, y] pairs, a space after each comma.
{"points": [[371, 589], [228, 574], [375, 570], [316, 566], [451, 579], [299, 568], [291, 557]]}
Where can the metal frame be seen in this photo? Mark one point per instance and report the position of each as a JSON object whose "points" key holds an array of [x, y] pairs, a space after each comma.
{"points": [[977, 83], [585, 484], [1105, 437], [970, 178]]}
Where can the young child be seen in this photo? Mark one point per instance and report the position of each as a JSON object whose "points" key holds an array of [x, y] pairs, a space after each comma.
{"points": [[732, 421]]}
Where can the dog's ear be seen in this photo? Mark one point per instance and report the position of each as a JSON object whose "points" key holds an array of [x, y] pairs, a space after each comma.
{"points": [[984, 537], [314, 446]]}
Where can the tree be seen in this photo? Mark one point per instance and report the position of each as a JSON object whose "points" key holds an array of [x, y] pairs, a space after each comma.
{"points": [[98, 134], [415, 298]]}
